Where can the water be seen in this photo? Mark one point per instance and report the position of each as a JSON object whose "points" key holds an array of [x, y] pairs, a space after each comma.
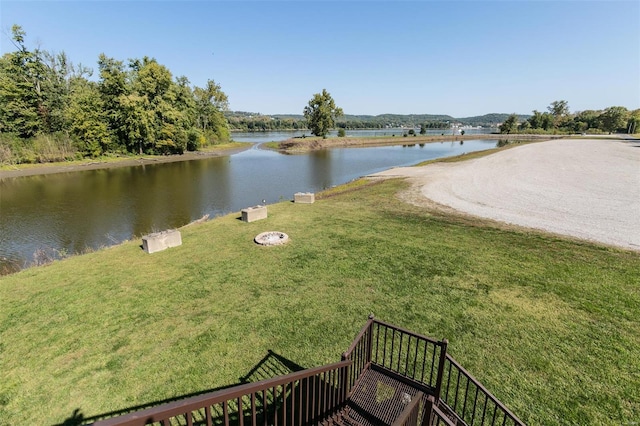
{"points": [[70, 212], [260, 137]]}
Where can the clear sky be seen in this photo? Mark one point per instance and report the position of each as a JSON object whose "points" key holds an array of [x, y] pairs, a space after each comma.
{"points": [[461, 58]]}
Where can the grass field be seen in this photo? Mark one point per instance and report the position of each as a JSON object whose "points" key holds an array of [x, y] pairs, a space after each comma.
{"points": [[549, 325]]}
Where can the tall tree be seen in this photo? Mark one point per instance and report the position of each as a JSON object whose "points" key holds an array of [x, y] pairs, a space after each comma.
{"points": [[614, 118], [510, 124], [560, 112], [85, 117], [114, 88], [321, 113], [211, 103], [21, 73]]}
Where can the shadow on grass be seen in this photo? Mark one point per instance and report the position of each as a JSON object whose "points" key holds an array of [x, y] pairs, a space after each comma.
{"points": [[271, 365]]}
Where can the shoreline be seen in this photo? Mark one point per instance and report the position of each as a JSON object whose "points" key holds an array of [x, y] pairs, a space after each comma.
{"points": [[54, 168], [314, 143]]}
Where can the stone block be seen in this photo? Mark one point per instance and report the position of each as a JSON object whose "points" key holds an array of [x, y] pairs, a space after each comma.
{"points": [[304, 197], [251, 214], [159, 241]]}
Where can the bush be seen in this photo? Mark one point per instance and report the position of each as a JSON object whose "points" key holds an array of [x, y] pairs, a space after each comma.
{"points": [[341, 133], [40, 149]]}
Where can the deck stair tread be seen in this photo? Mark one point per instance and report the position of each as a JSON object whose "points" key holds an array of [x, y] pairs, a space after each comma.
{"points": [[377, 400]]}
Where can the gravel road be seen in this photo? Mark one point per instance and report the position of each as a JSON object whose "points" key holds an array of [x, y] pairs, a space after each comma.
{"points": [[584, 188]]}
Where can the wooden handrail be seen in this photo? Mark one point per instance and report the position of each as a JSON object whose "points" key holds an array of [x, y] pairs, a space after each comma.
{"points": [[410, 333], [409, 415], [484, 390], [358, 338], [177, 408]]}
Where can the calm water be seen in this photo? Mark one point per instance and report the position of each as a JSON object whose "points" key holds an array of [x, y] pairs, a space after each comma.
{"points": [[282, 135], [70, 212]]}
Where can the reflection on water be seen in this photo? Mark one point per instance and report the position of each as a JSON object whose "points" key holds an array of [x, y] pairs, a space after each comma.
{"points": [[70, 212]]}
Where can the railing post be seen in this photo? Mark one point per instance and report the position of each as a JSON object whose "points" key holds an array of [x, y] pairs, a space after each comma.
{"points": [[346, 379], [427, 419], [443, 356], [370, 339]]}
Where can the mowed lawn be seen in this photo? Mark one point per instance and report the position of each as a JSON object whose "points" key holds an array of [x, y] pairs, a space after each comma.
{"points": [[551, 326]]}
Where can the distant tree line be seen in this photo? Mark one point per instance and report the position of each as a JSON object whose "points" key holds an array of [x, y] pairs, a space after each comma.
{"points": [[51, 111], [254, 122], [262, 123], [558, 119]]}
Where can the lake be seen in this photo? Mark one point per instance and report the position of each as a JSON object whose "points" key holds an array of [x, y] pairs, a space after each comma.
{"points": [[259, 137], [66, 213]]}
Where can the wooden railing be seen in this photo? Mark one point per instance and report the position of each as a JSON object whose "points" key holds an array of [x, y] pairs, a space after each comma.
{"points": [[434, 416], [304, 397], [412, 413], [425, 363], [453, 396], [470, 401]]}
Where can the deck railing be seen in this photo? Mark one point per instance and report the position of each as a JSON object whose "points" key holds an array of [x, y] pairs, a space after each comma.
{"points": [[304, 397], [412, 413], [413, 357], [459, 397], [471, 402], [453, 396]]}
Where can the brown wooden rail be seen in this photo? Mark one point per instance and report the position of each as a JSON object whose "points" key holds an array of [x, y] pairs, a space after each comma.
{"points": [[411, 415], [302, 397], [472, 403], [453, 396], [426, 363]]}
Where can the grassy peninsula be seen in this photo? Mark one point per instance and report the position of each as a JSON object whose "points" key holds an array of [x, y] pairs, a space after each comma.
{"points": [[549, 325]]}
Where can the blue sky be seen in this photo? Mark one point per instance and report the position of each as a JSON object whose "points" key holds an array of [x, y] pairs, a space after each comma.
{"points": [[461, 58]]}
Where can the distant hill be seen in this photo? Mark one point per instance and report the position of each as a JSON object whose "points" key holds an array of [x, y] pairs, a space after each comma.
{"points": [[489, 119]]}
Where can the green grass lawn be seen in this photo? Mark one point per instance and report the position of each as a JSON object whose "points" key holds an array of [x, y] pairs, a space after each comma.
{"points": [[549, 325]]}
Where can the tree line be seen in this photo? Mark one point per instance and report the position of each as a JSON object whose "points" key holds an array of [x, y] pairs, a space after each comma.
{"points": [[50, 109], [558, 119], [256, 122]]}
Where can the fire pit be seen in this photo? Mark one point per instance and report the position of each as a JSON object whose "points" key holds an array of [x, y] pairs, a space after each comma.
{"points": [[271, 238]]}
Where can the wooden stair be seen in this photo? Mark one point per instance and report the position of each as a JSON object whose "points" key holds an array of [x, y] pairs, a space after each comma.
{"points": [[377, 400]]}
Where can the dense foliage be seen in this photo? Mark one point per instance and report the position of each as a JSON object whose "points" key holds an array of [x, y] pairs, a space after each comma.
{"points": [[558, 119], [321, 113], [50, 110]]}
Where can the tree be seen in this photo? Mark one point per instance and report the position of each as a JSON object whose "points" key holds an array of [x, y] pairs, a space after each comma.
{"points": [[585, 120], [210, 104], [510, 124], [540, 120], [633, 125], [86, 119], [560, 112], [20, 92], [614, 118], [321, 113]]}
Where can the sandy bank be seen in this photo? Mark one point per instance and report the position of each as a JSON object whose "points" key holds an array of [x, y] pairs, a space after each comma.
{"points": [[589, 188]]}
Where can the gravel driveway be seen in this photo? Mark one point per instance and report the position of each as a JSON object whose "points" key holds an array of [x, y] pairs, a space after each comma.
{"points": [[585, 188]]}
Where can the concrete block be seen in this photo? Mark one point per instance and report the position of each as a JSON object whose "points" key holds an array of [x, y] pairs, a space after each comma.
{"points": [[304, 197], [159, 241], [251, 214]]}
